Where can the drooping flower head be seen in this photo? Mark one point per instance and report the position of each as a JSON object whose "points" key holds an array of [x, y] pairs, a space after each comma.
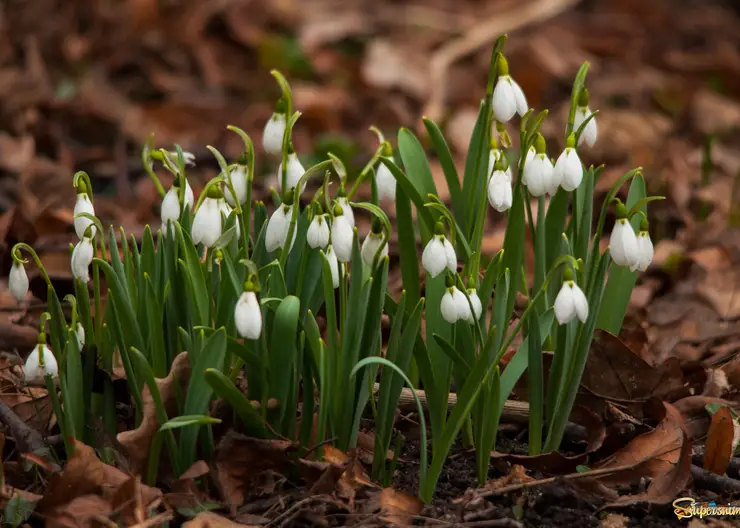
{"points": [[499, 189], [207, 226], [508, 97], [317, 235], [384, 179], [623, 243], [82, 257], [272, 137], [342, 234], [40, 363], [568, 168], [278, 227], [583, 111], [439, 253], [374, 242], [293, 173], [83, 205], [239, 181], [18, 279], [571, 301], [538, 172], [248, 314], [645, 250]]}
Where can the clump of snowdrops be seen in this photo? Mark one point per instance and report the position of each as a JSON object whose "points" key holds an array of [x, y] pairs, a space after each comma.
{"points": [[238, 286]]}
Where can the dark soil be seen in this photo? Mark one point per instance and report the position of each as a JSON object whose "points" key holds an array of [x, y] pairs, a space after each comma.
{"points": [[557, 504]]}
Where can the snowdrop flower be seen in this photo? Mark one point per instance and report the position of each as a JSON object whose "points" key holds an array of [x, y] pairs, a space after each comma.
{"points": [[40, 363], [80, 334], [372, 244], [450, 305], [623, 243], [571, 301], [317, 235], [272, 137], [568, 168], [294, 173], [279, 226], [342, 235], [343, 202], [385, 182], [463, 307], [226, 210], [189, 195], [248, 314], [590, 132], [645, 249], [239, 180], [500, 194], [18, 280], [538, 172], [207, 222], [477, 305], [83, 205], [494, 155], [439, 253], [170, 211], [508, 97], [331, 257], [82, 257]]}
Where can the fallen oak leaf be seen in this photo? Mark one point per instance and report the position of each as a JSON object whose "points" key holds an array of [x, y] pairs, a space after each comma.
{"points": [[719, 445], [137, 442], [398, 508]]}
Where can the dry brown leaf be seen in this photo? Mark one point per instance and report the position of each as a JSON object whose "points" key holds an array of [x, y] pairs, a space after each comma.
{"points": [[721, 288], [138, 441], [663, 454], [84, 475], [713, 113], [397, 507], [718, 451], [614, 520], [212, 520], [86, 511], [517, 475]]}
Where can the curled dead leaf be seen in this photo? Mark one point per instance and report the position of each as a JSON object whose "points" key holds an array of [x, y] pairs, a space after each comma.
{"points": [[719, 445], [398, 508], [138, 441]]}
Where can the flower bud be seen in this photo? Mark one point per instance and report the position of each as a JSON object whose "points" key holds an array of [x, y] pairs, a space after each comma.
{"points": [[82, 257], [18, 281]]}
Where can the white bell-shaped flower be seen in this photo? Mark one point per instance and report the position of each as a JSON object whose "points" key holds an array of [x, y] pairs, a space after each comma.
{"points": [[500, 194], [343, 202], [272, 137], [449, 305], [645, 250], [476, 302], [583, 111], [508, 97], [189, 195], [331, 257], [82, 256], [80, 335], [570, 302], [568, 168], [207, 221], [239, 176], [623, 242], [40, 363], [278, 228], [294, 173], [439, 253], [342, 235], [170, 212], [371, 246], [464, 312], [18, 281], [385, 182], [539, 173], [317, 235], [83, 205], [248, 315]]}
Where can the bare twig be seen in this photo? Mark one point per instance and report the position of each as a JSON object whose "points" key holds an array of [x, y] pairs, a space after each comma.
{"points": [[480, 35], [28, 439], [717, 483]]}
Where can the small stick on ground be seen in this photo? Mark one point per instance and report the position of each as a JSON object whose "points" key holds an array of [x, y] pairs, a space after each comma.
{"points": [[28, 439], [717, 483]]}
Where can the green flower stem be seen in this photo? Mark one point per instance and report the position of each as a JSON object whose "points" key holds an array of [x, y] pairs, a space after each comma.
{"points": [[246, 213], [367, 170], [147, 163], [287, 96], [17, 258], [215, 181], [73, 304], [82, 175], [575, 94]]}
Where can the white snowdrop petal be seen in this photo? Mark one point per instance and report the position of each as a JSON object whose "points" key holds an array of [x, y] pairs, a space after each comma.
{"points": [[476, 302], [248, 316], [434, 257], [83, 205], [519, 98], [239, 181], [293, 174], [277, 229], [82, 256], [504, 101], [272, 136], [450, 255], [80, 334], [170, 211], [34, 372], [571, 170], [331, 257], [18, 281], [463, 307], [580, 303], [448, 308], [342, 237], [386, 183], [370, 247], [189, 195], [499, 191], [645, 251], [623, 244], [317, 235], [347, 210], [207, 222], [564, 306]]}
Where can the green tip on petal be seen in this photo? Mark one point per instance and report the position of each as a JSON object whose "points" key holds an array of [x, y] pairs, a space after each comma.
{"points": [[583, 98], [571, 141]]}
